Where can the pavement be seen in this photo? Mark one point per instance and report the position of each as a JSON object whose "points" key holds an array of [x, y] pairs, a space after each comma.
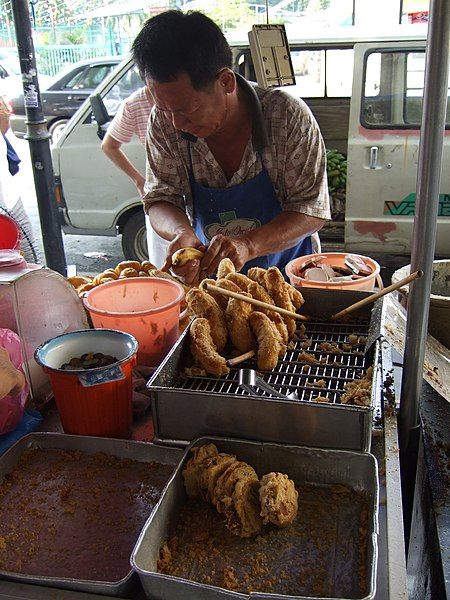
{"points": [[90, 255]]}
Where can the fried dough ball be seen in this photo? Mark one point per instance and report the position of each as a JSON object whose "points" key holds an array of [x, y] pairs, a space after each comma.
{"points": [[236, 316], [108, 274], [204, 349], [128, 264], [143, 274], [204, 305], [226, 483], [85, 288], [279, 499], [147, 266], [212, 469], [77, 281], [225, 267], [278, 290], [260, 293], [128, 272], [270, 345]]}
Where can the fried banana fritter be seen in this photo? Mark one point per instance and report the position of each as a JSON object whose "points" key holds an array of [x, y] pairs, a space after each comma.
{"points": [[204, 350], [241, 280], [279, 499], [225, 267], [276, 286], [258, 292], [221, 300], [204, 305], [236, 316], [258, 274], [225, 284], [270, 345]]}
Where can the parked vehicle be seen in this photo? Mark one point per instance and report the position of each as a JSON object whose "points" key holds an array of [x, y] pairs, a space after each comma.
{"points": [[63, 96], [366, 95]]}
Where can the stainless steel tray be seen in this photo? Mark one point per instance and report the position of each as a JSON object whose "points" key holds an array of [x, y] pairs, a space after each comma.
{"points": [[140, 451], [309, 465], [184, 409]]}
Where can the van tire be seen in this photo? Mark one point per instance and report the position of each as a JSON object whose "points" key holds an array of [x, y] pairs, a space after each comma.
{"points": [[134, 237]]}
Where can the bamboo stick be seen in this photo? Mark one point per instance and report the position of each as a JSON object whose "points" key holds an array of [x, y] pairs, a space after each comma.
{"points": [[379, 294], [237, 360], [259, 303]]}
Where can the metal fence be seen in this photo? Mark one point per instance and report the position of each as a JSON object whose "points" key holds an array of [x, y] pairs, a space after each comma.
{"points": [[51, 59]]}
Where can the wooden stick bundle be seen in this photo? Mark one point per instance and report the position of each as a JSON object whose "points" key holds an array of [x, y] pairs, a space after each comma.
{"points": [[379, 294], [259, 303]]}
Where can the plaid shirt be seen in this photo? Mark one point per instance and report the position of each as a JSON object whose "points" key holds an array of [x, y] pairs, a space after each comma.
{"points": [[284, 132]]}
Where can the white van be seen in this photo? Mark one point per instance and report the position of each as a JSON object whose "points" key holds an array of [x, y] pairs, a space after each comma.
{"points": [[366, 95]]}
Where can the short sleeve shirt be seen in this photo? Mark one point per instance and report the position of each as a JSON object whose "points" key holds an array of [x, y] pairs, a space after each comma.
{"points": [[132, 117], [284, 133]]}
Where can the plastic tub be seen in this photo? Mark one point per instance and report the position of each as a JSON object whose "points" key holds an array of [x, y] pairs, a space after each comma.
{"points": [[336, 259], [95, 401], [148, 308]]}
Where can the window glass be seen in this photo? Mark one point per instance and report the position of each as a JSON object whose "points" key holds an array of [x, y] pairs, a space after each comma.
{"points": [[92, 77], [340, 72], [309, 69], [72, 82], [127, 84], [393, 89]]}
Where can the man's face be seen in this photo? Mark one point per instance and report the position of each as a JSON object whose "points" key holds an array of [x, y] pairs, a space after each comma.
{"points": [[200, 113]]}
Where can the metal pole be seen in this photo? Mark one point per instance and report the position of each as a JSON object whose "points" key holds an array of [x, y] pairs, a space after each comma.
{"points": [[38, 138], [424, 238]]}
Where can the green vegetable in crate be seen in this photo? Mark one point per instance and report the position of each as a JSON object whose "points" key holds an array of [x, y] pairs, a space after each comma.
{"points": [[336, 170]]}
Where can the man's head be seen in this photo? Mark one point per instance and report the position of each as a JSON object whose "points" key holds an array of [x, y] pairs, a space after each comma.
{"points": [[186, 64], [173, 43]]}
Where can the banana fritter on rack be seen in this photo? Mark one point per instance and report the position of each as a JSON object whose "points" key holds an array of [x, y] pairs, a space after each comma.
{"points": [[236, 315], [270, 344], [276, 286], [204, 350], [225, 267], [204, 305]]}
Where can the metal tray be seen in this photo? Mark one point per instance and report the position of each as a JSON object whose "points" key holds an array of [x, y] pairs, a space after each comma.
{"points": [[184, 409], [309, 465], [139, 451]]}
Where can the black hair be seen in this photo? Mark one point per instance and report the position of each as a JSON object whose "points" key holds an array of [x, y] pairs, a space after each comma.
{"points": [[173, 42]]}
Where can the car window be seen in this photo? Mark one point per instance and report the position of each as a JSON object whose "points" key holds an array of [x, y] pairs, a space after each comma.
{"points": [[393, 90], [127, 84], [90, 78]]}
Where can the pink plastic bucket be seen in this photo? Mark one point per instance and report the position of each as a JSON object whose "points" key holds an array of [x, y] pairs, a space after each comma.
{"points": [[337, 259], [147, 308]]}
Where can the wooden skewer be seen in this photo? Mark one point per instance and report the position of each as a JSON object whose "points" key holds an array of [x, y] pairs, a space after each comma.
{"points": [[266, 305], [237, 360], [379, 294]]}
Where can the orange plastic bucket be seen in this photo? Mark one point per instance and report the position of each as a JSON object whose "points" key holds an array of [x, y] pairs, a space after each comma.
{"points": [[95, 401], [336, 259], [147, 308]]}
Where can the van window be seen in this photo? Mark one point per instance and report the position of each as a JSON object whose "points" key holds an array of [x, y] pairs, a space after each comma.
{"points": [[127, 84], [393, 90]]}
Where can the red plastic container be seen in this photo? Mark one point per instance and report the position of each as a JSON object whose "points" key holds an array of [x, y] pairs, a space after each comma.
{"points": [[9, 233], [96, 401]]}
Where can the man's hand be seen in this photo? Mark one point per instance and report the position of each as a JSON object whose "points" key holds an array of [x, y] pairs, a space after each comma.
{"points": [[12, 380], [188, 273], [237, 249]]}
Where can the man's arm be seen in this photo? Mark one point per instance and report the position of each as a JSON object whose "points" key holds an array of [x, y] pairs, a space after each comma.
{"points": [[281, 233], [112, 148]]}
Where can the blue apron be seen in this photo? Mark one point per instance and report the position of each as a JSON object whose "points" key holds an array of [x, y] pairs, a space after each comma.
{"points": [[240, 208]]}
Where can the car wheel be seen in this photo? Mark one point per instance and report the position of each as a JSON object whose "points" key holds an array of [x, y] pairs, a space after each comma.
{"points": [[134, 237], [56, 128]]}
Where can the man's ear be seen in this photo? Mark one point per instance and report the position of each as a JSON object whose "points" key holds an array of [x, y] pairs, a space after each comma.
{"points": [[227, 79]]}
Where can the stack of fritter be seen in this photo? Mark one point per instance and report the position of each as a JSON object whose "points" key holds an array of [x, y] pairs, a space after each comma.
{"points": [[234, 489], [221, 318]]}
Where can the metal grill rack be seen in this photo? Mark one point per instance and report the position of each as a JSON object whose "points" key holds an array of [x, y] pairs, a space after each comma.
{"points": [[294, 374]]}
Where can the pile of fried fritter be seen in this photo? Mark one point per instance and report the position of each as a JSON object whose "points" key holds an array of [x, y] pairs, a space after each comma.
{"points": [[221, 319], [234, 489]]}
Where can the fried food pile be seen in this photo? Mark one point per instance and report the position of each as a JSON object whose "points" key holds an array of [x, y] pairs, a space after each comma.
{"points": [[221, 319], [125, 269], [234, 489]]}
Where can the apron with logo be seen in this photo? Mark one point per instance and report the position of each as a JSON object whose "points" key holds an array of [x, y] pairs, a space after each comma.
{"points": [[238, 209]]}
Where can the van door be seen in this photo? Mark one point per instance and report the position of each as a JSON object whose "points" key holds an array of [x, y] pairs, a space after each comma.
{"points": [[97, 196], [383, 148]]}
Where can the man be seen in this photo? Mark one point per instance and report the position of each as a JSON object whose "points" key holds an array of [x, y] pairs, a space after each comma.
{"points": [[132, 119], [233, 169]]}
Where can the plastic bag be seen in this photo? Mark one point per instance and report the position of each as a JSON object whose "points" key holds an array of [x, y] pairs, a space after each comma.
{"points": [[12, 407]]}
